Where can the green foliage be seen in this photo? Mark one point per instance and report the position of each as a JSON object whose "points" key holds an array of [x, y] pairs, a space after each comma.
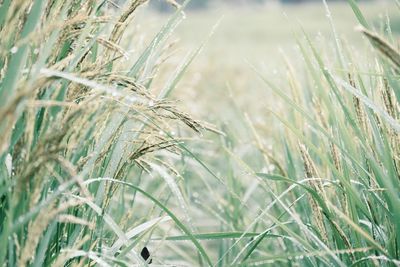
{"points": [[96, 163], [341, 168], [69, 114]]}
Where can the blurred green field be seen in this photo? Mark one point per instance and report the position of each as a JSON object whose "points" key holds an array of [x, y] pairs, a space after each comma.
{"points": [[246, 36]]}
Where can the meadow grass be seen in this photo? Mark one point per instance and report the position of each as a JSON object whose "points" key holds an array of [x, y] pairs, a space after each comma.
{"points": [[72, 111], [99, 168], [330, 182]]}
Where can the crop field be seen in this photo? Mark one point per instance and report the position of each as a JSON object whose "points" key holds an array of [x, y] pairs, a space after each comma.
{"points": [[236, 135]]}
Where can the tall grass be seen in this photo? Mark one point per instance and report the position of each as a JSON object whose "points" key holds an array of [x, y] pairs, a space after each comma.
{"points": [[81, 124], [333, 189], [99, 169]]}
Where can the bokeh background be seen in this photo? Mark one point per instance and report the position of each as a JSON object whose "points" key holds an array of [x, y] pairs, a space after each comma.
{"points": [[221, 83]]}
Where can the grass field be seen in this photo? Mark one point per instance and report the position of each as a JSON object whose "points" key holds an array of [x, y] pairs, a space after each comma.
{"points": [[272, 142], [257, 36]]}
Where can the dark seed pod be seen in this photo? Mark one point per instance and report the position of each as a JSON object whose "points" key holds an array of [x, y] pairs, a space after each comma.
{"points": [[145, 253]]}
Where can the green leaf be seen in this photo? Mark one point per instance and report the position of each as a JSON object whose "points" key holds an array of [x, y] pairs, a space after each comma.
{"points": [[358, 13], [165, 209]]}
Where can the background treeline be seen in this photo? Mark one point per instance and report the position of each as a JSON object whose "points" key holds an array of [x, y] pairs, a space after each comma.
{"points": [[164, 6]]}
